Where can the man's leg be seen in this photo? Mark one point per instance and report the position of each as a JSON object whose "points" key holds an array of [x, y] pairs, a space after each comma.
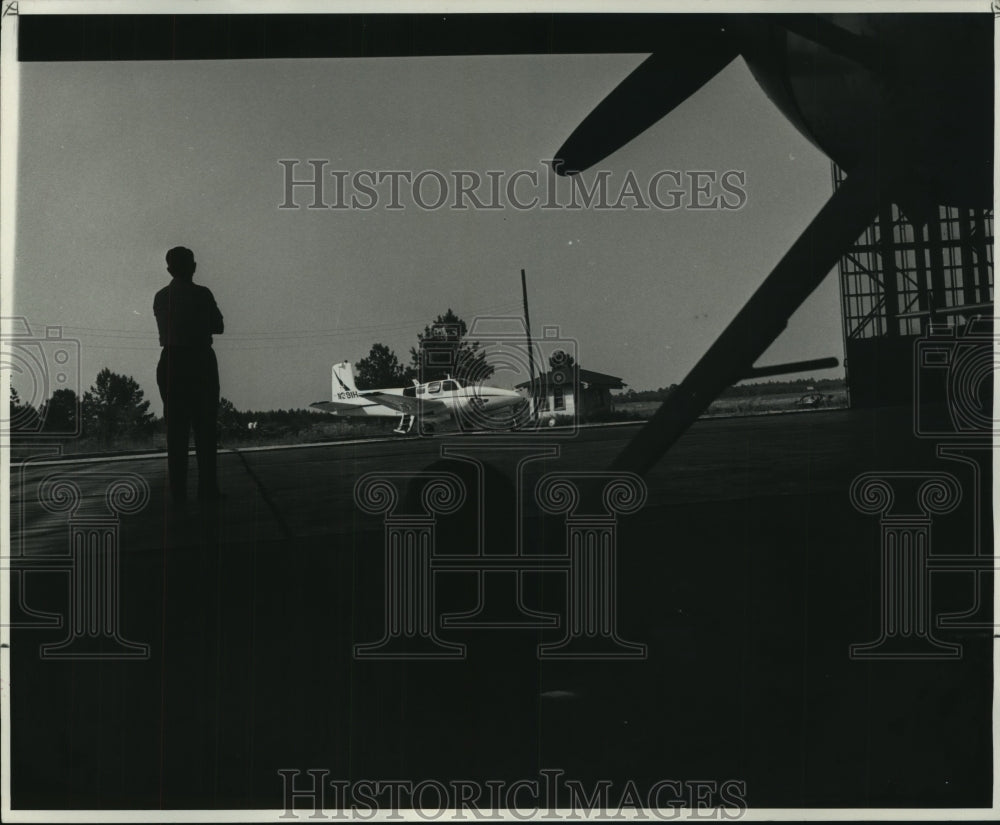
{"points": [[178, 422], [178, 417], [205, 447], [206, 430]]}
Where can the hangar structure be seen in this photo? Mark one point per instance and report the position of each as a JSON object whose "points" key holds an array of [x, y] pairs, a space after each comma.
{"points": [[571, 390], [900, 278]]}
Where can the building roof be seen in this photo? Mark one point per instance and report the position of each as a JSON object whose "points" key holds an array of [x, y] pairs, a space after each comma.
{"points": [[587, 378]]}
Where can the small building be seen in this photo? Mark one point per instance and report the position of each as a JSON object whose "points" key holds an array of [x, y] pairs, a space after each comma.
{"points": [[571, 391]]}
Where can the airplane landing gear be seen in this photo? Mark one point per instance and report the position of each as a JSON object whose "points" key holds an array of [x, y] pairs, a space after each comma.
{"points": [[404, 426]]}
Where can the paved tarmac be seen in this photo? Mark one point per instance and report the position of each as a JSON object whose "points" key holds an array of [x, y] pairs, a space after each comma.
{"points": [[747, 575]]}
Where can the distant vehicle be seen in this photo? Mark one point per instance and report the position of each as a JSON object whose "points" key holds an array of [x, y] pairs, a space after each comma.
{"points": [[433, 401], [815, 399]]}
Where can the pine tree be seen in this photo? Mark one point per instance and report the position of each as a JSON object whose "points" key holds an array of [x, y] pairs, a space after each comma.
{"points": [[443, 350], [114, 406], [381, 368]]}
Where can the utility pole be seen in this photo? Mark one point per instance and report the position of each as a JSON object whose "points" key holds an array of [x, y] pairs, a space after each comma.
{"points": [[531, 349]]}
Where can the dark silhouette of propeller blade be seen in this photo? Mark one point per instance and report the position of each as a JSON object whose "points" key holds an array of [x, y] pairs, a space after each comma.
{"points": [[762, 319], [865, 51], [661, 83]]}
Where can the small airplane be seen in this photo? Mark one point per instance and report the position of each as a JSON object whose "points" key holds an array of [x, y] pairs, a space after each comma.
{"points": [[433, 401]]}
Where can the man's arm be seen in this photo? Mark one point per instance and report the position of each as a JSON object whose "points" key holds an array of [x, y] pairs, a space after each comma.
{"points": [[160, 313], [215, 317]]}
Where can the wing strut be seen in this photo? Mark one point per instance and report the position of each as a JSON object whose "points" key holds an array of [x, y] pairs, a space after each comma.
{"points": [[762, 319]]}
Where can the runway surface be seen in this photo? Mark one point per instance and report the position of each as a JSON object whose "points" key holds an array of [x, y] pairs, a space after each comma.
{"points": [[747, 574]]}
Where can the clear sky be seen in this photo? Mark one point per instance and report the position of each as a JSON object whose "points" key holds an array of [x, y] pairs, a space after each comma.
{"points": [[121, 161]]}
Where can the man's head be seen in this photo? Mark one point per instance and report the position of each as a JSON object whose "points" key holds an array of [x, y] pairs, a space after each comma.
{"points": [[180, 263]]}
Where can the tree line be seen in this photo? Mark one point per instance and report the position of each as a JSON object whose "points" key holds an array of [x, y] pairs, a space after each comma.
{"points": [[115, 406], [453, 354], [795, 385]]}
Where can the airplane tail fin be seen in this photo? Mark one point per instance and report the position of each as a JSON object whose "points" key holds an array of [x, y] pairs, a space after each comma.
{"points": [[343, 379]]}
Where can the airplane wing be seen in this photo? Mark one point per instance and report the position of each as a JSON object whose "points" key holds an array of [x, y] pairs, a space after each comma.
{"points": [[336, 406], [406, 404]]}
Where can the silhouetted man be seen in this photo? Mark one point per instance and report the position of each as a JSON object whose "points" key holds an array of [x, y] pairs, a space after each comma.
{"points": [[188, 373]]}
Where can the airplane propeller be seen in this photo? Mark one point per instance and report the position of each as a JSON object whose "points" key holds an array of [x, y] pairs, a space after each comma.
{"points": [[853, 85], [661, 83], [922, 100]]}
